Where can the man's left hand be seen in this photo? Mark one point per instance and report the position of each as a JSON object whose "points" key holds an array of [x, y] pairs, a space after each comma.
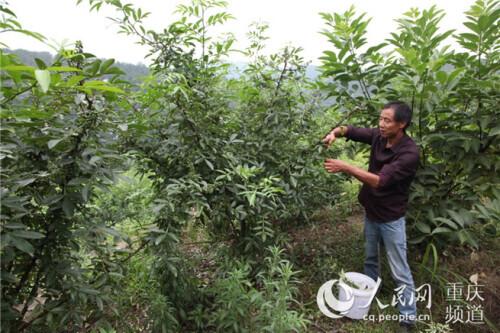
{"points": [[334, 166]]}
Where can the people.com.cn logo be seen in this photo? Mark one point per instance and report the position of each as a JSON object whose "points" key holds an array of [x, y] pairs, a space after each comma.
{"points": [[326, 300]]}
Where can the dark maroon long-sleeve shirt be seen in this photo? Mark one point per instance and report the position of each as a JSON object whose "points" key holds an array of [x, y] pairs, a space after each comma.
{"points": [[396, 166]]}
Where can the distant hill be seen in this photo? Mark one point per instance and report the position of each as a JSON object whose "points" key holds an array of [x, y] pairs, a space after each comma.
{"points": [[133, 73], [312, 71]]}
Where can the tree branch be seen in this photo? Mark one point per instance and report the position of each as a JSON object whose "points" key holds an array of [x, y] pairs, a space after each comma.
{"points": [[8, 99]]}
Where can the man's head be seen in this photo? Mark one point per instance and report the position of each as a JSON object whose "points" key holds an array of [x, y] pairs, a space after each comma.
{"points": [[394, 117]]}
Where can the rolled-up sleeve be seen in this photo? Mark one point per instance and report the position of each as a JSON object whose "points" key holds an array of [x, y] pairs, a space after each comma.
{"points": [[403, 166], [359, 134]]}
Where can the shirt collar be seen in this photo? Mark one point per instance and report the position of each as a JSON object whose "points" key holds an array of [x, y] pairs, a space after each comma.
{"points": [[396, 147]]}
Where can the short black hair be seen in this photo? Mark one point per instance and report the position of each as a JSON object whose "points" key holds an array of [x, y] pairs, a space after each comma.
{"points": [[402, 112]]}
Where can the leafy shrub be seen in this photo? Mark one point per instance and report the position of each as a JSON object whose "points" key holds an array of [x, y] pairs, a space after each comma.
{"points": [[236, 155], [239, 306], [58, 145]]}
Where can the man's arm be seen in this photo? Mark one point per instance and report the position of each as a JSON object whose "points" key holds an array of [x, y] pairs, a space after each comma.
{"points": [[404, 166], [358, 134], [363, 176]]}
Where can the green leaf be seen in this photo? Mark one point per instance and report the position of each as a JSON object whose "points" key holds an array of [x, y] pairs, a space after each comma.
{"points": [[447, 222], [483, 22], [14, 225], [158, 207], [52, 199], [94, 67], [29, 113], [74, 80], [160, 238], [85, 193], [461, 236], [99, 85], [68, 207], [210, 165], [441, 77], [465, 237], [52, 143], [27, 234], [456, 217], [89, 291], [495, 131], [441, 230], [116, 275], [77, 181], [472, 26], [31, 33], [422, 227], [94, 159], [106, 64], [417, 240], [63, 69], [23, 245], [7, 11], [113, 232], [251, 198], [43, 78], [99, 303], [15, 68], [435, 256], [39, 62], [25, 182]]}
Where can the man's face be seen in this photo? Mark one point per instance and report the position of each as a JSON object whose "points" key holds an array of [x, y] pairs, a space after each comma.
{"points": [[388, 126]]}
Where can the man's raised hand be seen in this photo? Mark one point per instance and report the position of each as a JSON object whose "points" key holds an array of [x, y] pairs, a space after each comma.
{"points": [[329, 138], [334, 166]]}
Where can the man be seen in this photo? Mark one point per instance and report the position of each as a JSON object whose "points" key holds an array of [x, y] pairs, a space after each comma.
{"points": [[393, 162]]}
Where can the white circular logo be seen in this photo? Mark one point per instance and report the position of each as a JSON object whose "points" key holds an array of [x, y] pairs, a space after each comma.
{"points": [[325, 295]]}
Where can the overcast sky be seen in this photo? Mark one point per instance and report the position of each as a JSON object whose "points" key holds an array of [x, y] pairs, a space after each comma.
{"points": [[294, 22]]}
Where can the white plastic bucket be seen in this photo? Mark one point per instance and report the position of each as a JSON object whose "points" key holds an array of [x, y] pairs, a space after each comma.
{"points": [[363, 295]]}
